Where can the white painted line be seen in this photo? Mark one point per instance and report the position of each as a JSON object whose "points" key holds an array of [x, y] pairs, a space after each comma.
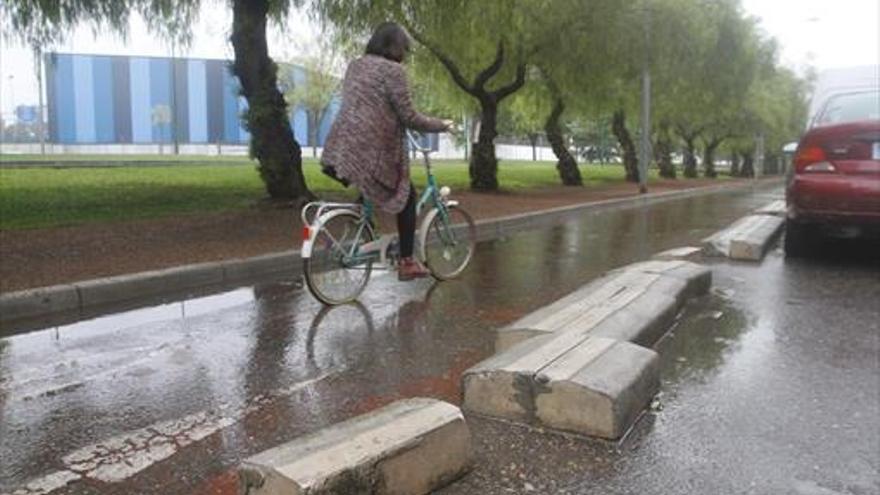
{"points": [[47, 484], [121, 457]]}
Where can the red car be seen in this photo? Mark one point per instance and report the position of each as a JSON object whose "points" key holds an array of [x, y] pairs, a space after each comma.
{"points": [[834, 188]]}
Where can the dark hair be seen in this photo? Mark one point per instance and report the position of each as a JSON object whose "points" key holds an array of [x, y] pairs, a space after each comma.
{"points": [[389, 40]]}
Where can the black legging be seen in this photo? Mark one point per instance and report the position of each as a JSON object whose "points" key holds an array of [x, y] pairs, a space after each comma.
{"points": [[406, 225]]}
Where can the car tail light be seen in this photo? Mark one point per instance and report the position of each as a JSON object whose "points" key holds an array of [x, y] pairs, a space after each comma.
{"points": [[812, 159]]}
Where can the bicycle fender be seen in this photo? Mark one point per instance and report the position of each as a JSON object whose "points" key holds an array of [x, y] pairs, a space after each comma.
{"points": [[306, 249]]}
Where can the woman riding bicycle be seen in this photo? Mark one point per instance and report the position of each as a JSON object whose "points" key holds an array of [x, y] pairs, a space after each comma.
{"points": [[365, 146]]}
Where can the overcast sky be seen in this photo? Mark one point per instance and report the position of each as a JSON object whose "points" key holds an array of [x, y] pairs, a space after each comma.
{"points": [[822, 33]]}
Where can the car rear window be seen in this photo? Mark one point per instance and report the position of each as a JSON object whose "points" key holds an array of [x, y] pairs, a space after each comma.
{"points": [[850, 107]]}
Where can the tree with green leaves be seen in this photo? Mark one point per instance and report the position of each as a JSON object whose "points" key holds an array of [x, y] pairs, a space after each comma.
{"points": [[482, 46], [524, 116], [43, 23]]}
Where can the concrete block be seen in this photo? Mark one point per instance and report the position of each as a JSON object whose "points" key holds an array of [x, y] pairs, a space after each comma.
{"points": [[269, 264], [588, 385], [681, 253], [598, 389], [697, 279], [776, 208], [410, 447], [644, 322], [38, 302], [746, 239], [752, 245], [718, 244], [635, 303]]}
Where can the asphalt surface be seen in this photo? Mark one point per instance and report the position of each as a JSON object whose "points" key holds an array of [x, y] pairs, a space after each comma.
{"points": [[767, 396], [770, 385]]}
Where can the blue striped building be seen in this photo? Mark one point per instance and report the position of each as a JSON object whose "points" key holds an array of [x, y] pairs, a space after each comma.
{"points": [[99, 99]]}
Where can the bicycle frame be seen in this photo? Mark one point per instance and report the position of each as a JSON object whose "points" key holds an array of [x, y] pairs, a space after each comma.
{"points": [[376, 250]]}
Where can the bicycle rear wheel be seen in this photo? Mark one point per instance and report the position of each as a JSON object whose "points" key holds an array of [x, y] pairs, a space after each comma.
{"points": [[333, 274], [448, 241]]}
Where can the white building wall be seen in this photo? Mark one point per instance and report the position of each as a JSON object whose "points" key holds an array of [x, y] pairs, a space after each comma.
{"points": [[447, 150]]}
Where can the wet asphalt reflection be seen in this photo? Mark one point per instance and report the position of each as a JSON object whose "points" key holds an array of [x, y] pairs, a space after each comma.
{"points": [[257, 366]]}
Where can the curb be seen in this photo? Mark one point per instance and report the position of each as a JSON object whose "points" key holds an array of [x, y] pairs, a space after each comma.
{"points": [[79, 297]]}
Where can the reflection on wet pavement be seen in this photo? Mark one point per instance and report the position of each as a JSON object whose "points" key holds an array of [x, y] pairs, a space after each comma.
{"points": [[268, 363]]}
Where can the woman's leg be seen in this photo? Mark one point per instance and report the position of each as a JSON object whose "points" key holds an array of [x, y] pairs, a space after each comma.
{"points": [[406, 225], [409, 267]]}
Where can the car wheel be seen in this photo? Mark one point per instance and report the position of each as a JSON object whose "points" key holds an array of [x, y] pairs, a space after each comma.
{"points": [[798, 242]]}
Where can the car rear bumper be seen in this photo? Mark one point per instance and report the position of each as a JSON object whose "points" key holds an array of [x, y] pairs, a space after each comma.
{"points": [[835, 199]]}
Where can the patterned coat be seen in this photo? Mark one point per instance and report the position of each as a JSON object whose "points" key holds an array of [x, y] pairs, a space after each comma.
{"points": [[366, 144]]}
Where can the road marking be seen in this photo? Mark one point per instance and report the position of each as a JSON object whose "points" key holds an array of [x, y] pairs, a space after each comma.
{"points": [[47, 484], [120, 457]]}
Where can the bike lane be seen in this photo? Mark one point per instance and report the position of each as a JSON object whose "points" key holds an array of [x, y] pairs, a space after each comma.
{"points": [[168, 399]]}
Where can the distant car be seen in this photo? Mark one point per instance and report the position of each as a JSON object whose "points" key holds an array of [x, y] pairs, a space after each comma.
{"points": [[834, 186]]}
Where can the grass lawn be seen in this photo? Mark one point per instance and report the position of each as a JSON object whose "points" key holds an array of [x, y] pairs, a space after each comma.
{"points": [[50, 197]]}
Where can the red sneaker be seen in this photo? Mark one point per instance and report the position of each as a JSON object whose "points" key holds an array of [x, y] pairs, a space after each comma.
{"points": [[410, 268]]}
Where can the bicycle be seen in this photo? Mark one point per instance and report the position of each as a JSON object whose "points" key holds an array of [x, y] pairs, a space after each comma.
{"points": [[340, 246]]}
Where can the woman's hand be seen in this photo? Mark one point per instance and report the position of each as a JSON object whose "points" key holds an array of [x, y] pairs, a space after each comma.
{"points": [[450, 124]]}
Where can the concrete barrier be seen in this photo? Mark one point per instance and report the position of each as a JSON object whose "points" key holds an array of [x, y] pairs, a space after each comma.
{"points": [[776, 208], [636, 303], [575, 364], [588, 385], [746, 239], [685, 253], [410, 447]]}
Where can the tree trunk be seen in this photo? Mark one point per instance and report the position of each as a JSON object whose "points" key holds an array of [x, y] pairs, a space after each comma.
{"points": [[630, 158], [734, 164], [272, 141], [690, 158], [709, 159], [533, 138], [483, 167], [663, 150], [748, 165], [565, 164]]}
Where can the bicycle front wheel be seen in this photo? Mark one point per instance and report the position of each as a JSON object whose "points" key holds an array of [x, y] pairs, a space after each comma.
{"points": [[334, 272], [447, 241]]}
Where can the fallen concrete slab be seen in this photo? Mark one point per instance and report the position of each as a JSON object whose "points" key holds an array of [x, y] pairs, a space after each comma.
{"points": [[746, 239], [635, 303], [588, 385], [410, 447]]}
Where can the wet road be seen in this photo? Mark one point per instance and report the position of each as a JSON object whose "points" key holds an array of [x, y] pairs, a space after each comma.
{"points": [[770, 385], [167, 399]]}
